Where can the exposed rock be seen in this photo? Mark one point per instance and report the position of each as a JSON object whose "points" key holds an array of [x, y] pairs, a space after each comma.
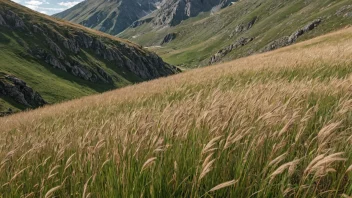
{"points": [[53, 61], [172, 12], [223, 52], [6, 113], [84, 40], [54, 47], [69, 43], [2, 20], [288, 40], [140, 22], [168, 38], [345, 11], [278, 43], [242, 27], [16, 21], [37, 29], [110, 16], [18, 90]]}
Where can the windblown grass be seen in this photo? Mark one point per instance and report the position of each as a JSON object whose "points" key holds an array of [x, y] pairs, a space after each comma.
{"points": [[271, 125]]}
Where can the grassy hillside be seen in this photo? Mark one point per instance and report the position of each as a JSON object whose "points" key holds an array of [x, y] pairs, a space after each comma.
{"points": [[62, 61], [197, 39], [276, 124]]}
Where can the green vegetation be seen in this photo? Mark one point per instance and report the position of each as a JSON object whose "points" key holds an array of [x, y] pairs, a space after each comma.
{"points": [[200, 37], [271, 125], [54, 84]]}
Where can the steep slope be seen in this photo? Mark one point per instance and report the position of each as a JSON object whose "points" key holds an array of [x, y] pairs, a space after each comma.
{"points": [[172, 12], [242, 29], [62, 61], [111, 16], [276, 124]]}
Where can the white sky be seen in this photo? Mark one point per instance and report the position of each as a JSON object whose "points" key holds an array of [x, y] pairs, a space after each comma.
{"points": [[48, 7]]}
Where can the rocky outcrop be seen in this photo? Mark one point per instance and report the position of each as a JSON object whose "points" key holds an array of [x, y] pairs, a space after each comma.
{"points": [[2, 20], [6, 113], [12, 19], [345, 11], [172, 12], [168, 38], [289, 40], [20, 92], [223, 52], [243, 27]]}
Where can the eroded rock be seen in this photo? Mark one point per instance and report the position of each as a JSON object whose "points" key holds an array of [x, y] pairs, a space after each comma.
{"points": [[168, 38], [16, 21], [223, 52], [2, 20], [20, 92], [345, 11], [289, 40]]}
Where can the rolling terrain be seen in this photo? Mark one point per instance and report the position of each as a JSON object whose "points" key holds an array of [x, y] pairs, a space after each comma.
{"points": [[276, 124], [44, 60], [244, 28]]}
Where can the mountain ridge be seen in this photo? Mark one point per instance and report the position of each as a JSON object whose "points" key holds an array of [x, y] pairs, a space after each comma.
{"points": [[116, 15], [111, 16]]}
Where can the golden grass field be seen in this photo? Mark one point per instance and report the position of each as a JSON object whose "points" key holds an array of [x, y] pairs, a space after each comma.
{"points": [[277, 124]]}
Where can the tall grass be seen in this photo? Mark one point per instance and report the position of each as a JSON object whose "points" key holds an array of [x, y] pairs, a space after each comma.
{"points": [[271, 125]]}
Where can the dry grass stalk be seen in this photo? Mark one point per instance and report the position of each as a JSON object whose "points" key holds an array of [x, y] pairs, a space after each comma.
{"points": [[148, 163], [224, 185], [52, 191]]}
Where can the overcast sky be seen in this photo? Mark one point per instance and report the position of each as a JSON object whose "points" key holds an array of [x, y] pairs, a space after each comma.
{"points": [[48, 7]]}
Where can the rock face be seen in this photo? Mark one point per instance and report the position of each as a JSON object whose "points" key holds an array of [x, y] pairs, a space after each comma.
{"points": [[288, 40], [10, 18], [63, 47], [114, 16], [111, 16], [18, 90], [223, 52], [172, 12], [168, 38]]}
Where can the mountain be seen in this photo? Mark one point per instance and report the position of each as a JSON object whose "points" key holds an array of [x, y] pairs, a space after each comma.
{"points": [[277, 124], [46, 61], [110, 16], [114, 16], [173, 12], [241, 29]]}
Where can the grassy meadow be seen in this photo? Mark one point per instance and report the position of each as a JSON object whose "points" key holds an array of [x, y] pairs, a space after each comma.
{"points": [[277, 124]]}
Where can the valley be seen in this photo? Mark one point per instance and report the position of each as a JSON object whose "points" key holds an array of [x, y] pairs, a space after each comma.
{"points": [[269, 124], [176, 98]]}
